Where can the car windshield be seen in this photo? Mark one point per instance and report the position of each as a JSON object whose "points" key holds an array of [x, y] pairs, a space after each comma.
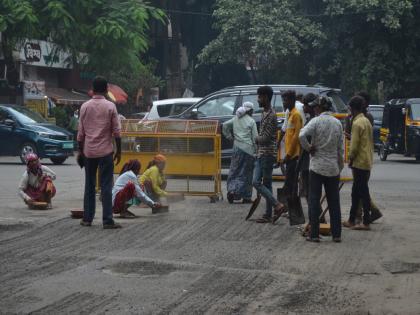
{"points": [[25, 116], [376, 113], [415, 111], [338, 102]]}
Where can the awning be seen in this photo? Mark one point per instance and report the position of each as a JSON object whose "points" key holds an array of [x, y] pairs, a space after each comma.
{"points": [[65, 97], [115, 93]]}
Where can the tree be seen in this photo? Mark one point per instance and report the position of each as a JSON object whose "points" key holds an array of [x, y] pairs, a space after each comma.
{"points": [[352, 44], [111, 34], [259, 32], [369, 42]]}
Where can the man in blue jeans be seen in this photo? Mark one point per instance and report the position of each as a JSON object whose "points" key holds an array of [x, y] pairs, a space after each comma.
{"points": [[266, 156], [98, 125]]}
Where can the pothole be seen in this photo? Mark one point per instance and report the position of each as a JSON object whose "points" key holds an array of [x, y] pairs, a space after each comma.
{"points": [[141, 269], [400, 267], [14, 227]]}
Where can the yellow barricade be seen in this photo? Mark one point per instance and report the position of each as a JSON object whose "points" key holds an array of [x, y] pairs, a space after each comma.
{"points": [[192, 149], [38, 105]]}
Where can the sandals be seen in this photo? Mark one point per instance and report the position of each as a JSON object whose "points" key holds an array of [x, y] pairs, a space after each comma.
{"points": [[263, 219], [127, 215], [348, 224], [278, 212], [313, 239], [361, 227]]}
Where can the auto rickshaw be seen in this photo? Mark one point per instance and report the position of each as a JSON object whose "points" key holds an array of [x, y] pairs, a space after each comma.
{"points": [[400, 132]]}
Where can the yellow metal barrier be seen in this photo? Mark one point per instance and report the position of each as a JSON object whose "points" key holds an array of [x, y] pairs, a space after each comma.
{"points": [[192, 149], [38, 105]]}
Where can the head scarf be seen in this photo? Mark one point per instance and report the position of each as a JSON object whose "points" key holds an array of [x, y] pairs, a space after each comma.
{"points": [[245, 108], [159, 158], [33, 165]]}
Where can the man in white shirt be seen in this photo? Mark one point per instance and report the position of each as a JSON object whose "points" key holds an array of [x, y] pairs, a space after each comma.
{"points": [[327, 161]]}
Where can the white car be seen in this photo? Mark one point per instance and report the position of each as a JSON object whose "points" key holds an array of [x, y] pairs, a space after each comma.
{"points": [[170, 107]]}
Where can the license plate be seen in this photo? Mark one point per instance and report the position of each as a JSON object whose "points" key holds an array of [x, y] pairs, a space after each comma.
{"points": [[68, 145]]}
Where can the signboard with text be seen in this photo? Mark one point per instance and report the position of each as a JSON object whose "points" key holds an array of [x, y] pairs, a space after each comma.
{"points": [[44, 54]]}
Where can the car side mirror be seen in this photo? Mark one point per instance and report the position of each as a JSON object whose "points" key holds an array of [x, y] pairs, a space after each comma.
{"points": [[10, 122], [194, 113]]}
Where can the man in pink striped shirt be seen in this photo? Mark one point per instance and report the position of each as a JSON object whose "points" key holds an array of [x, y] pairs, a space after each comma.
{"points": [[98, 125]]}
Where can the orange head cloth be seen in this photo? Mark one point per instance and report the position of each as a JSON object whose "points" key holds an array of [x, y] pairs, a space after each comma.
{"points": [[159, 158]]}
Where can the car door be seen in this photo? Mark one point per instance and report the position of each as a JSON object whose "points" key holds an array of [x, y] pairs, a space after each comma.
{"points": [[377, 113], [8, 145]]}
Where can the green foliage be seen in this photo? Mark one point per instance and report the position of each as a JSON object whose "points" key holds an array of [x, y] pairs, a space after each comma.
{"points": [[112, 34], [369, 42], [261, 30], [352, 44], [141, 76], [61, 117]]}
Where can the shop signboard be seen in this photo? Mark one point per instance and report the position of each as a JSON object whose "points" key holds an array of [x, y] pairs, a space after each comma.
{"points": [[43, 54]]}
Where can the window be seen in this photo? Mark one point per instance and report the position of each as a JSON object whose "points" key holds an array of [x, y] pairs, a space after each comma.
{"points": [[180, 108], [415, 111], [278, 104], [253, 98], [164, 110], [338, 103], [3, 115], [377, 113], [25, 116], [221, 106]]}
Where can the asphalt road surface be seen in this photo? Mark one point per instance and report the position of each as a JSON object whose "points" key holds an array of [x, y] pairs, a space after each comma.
{"points": [[202, 257]]}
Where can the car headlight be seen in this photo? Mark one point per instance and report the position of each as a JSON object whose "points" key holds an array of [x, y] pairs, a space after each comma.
{"points": [[44, 135]]}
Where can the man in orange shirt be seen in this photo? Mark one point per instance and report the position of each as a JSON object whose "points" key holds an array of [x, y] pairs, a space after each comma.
{"points": [[292, 144]]}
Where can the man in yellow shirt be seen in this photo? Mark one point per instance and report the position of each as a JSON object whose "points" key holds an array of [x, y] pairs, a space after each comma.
{"points": [[361, 160], [292, 144]]}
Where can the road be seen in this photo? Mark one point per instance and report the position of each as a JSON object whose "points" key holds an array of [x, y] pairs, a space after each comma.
{"points": [[204, 258]]}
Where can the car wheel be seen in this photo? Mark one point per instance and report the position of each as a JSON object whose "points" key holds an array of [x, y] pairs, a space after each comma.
{"points": [[58, 160], [382, 153], [26, 148]]}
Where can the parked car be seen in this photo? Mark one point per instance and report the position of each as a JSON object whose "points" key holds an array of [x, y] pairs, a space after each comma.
{"points": [[139, 115], [170, 107], [222, 105], [23, 131], [377, 112]]}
